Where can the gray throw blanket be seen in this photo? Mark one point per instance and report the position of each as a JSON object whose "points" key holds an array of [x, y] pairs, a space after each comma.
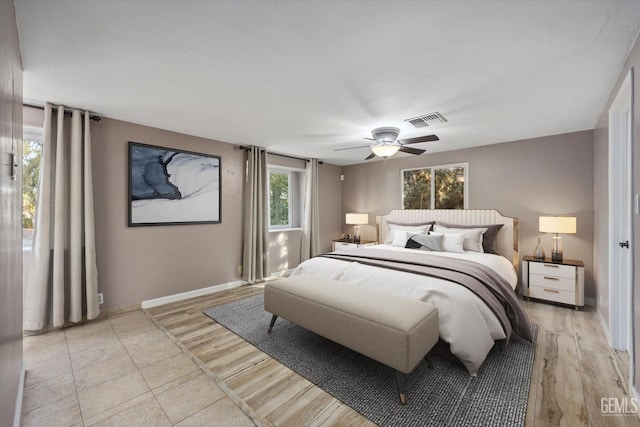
{"points": [[485, 283]]}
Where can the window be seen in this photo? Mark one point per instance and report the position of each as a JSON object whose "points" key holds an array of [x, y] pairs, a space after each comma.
{"points": [[435, 187], [285, 197], [32, 152]]}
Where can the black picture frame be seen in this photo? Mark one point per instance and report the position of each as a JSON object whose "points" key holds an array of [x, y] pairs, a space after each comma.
{"points": [[168, 186]]}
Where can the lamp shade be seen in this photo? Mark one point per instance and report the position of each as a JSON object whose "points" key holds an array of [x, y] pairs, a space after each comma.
{"points": [[357, 218], [558, 224], [385, 150]]}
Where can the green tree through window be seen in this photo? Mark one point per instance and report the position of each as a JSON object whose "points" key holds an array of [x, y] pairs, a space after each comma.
{"points": [[417, 189], [438, 187], [32, 152], [279, 193], [450, 188]]}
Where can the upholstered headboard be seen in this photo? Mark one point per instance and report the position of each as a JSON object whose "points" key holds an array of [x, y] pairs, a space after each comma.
{"points": [[507, 241]]}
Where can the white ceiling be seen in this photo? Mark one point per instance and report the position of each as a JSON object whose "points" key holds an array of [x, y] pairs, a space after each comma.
{"points": [[306, 77]]}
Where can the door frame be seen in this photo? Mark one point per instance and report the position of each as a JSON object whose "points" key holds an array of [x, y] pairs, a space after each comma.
{"points": [[620, 227]]}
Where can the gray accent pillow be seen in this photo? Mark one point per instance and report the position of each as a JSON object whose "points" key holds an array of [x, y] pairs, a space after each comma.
{"points": [[489, 238], [425, 242]]}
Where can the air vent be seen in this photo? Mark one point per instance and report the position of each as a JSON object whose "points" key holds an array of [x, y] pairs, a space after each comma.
{"points": [[427, 119]]}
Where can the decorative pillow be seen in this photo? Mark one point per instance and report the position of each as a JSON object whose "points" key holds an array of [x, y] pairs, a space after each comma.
{"points": [[400, 237], [450, 242], [425, 242], [472, 236], [416, 228], [489, 238]]}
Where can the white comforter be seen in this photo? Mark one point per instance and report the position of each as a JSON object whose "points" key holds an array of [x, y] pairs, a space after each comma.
{"points": [[466, 323]]}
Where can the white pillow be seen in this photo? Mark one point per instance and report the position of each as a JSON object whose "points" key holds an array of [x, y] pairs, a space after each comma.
{"points": [[472, 236], [404, 228], [451, 242], [400, 238]]}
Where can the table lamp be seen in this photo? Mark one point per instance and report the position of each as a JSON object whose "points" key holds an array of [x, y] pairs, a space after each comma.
{"points": [[557, 225], [357, 219]]}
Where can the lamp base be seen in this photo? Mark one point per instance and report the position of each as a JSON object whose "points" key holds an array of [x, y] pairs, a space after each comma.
{"points": [[356, 234], [556, 250], [556, 256]]}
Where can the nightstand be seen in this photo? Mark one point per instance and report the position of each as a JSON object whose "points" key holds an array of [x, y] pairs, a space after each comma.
{"points": [[337, 244], [561, 282]]}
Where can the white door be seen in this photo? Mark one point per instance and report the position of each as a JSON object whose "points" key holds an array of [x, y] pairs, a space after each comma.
{"points": [[620, 194]]}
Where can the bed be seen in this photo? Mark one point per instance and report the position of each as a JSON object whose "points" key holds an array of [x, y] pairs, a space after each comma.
{"points": [[472, 282]]}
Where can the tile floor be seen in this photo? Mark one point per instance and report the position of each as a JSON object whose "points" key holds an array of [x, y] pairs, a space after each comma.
{"points": [[119, 371]]}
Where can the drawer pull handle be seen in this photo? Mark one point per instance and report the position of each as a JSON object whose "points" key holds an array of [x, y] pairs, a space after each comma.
{"points": [[552, 291], [550, 278], [551, 265]]}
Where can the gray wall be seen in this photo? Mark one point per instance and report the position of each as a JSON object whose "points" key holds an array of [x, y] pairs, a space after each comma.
{"points": [[523, 179], [141, 263], [601, 237], [10, 214]]}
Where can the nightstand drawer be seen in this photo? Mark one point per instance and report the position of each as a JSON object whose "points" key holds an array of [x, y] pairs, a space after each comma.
{"points": [[345, 245], [561, 282], [340, 244], [550, 294], [553, 282], [555, 270]]}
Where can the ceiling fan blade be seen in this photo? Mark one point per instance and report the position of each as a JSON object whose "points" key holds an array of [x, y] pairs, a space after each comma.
{"points": [[352, 148], [419, 139], [416, 151], [370, 156]]}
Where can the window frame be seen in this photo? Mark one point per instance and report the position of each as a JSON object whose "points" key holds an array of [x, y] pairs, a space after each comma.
{"points": [[432, 201], [296, 192]]}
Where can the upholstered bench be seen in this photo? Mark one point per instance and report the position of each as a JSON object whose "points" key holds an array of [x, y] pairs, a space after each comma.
{"points": [[395, 331]]}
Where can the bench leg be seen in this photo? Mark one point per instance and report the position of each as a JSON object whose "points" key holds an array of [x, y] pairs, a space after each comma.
{"points": [[273, 321], [401, 387], [429, 362]]}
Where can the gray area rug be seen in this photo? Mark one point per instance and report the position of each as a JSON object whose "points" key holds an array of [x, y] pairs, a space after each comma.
{"points": [[444, 396]]}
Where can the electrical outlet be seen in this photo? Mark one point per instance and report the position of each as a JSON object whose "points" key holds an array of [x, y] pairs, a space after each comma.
{"points": [[636, 204], [240, 269], [100, 298]]}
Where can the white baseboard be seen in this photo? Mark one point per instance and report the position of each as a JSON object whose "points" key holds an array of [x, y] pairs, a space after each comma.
{"points": [[20, 394], [191, 294], [205, 291]]}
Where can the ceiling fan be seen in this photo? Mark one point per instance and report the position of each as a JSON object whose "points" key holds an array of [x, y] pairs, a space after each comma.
{"points": [[387, 143]]}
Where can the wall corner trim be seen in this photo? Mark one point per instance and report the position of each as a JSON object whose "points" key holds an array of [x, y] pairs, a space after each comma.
{"points": [[603, 325], [191, 294]]}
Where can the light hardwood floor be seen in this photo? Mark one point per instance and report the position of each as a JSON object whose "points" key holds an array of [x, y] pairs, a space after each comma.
{"points": [[573, 370]]}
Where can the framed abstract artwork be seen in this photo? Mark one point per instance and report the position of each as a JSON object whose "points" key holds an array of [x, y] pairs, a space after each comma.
{"points": [[170, 187]]}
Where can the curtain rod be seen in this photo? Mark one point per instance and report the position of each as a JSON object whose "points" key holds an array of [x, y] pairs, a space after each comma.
{"points": [[243, 147], [94, 117]]}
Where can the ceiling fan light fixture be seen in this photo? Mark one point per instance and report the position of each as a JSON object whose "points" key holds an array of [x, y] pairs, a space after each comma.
{"points": [[385, 150], [385, 134]]}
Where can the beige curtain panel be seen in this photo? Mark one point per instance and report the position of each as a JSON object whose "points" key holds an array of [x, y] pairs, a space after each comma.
{"points": [[255, 253], [61, 282], [310, 246]]}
